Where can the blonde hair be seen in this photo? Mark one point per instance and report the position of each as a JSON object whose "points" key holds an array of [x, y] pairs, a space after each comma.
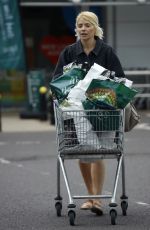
{"points": [[93, 19]]}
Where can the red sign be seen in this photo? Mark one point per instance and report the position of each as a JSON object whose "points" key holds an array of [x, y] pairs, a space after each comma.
{"points": [[51, 46]]}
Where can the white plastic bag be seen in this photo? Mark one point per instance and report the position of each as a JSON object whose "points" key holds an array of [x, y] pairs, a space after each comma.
{"points": [[77, 93]]}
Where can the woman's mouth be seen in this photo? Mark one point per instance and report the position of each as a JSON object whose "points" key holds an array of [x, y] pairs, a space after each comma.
{"points": [[83, 34]]}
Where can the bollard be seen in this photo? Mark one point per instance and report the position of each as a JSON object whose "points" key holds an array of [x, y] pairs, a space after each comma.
{"points": [[51, 109], [43, 102]]}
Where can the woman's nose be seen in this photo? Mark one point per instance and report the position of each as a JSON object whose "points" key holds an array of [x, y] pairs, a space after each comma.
{"points": [[83, 27]]}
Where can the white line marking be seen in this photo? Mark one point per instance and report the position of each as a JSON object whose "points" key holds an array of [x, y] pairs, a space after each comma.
{"points": [[3, 143], [27, 142], [143, 203], [3, 161], [144, 126], [21, 143], [20, 165]]}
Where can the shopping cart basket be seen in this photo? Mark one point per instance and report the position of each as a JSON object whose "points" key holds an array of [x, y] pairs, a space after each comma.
{"points": [[90, 134]]}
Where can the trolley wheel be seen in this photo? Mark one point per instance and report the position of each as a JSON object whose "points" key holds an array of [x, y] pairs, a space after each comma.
{"points": [[58, 207], [71, 215], [124, 206], [113, 215]]}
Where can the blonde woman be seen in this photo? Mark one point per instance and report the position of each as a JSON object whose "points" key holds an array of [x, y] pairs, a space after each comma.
{"points": [[90, 48]]}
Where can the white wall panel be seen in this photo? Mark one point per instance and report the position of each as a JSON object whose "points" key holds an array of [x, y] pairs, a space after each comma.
{"points": [[132, 35], [135, 57]]}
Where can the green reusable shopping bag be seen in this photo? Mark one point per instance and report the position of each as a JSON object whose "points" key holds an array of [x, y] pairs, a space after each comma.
{"points": [[107, 96], [110, 94], [62, 85], [101, 119]]}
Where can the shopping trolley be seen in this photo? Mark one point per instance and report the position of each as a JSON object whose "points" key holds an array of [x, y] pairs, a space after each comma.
{"points": [[90, 134]]}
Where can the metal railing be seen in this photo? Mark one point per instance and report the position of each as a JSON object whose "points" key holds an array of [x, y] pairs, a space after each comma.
{"points": [[46, 3], [141, 81]]}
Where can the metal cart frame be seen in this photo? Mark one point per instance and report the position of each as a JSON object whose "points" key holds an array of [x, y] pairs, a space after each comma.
{"points": [[72, 143]]}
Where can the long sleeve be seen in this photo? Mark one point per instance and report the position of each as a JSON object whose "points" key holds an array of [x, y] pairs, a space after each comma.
{"points": [[114, 63], [59, 67], [62, 61]]}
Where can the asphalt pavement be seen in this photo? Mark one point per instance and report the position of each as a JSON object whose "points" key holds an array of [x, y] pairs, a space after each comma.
{"points": [[28, 159]]}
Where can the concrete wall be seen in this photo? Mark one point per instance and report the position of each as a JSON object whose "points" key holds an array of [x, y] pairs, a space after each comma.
{"points": [[132, 35]]}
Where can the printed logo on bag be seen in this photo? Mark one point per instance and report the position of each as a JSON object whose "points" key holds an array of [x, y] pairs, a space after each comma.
{"points": [[103, 94]]}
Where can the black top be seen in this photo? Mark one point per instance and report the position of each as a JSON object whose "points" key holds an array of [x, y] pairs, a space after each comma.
{"points": [[102, 54]]}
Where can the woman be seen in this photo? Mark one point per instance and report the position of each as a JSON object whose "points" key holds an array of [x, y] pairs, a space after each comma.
{"points": [[89, 48]]}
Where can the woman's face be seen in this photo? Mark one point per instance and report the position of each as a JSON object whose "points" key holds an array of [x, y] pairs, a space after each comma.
{"points": [[85, 29]]}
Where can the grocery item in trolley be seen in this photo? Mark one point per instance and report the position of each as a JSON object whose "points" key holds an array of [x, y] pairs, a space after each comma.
{"points": [[74, 103], [110, 93], [62, 85], [86, 134], [98, 90]]}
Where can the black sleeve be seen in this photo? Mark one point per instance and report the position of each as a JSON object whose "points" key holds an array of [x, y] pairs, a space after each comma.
{"points": [[114, 63], [62, 61]]}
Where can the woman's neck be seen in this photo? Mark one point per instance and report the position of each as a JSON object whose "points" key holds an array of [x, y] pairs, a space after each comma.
{"points": [[88, 45]]}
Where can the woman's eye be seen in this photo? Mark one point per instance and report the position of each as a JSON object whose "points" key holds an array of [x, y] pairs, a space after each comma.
{"points": [[84, 25]]}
